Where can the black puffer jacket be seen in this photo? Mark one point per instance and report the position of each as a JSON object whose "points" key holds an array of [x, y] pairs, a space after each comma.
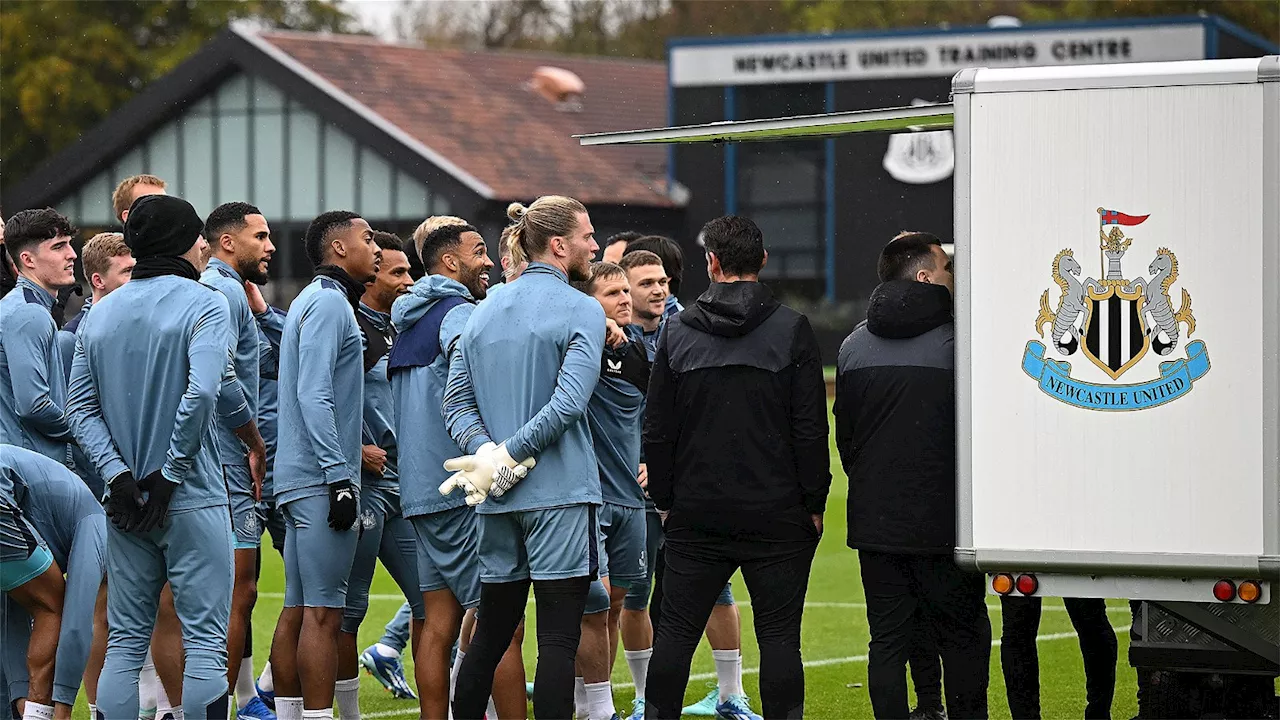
{"points": [[896, 421]]}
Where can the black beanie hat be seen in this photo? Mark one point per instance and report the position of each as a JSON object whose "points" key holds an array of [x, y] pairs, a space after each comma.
{"points": [[161, 226]]}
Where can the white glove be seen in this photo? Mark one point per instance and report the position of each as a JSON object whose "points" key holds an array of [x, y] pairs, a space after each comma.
{"points": [[490, 471]]}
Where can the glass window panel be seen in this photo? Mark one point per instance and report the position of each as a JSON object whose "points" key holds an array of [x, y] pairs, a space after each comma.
{"points": [[233, 158], [129, 165], [304, 164], [233, 95], [95, 202], [339, 170], [375, 185], [412, 198], [202, 107], [790, 228], [269, 165], [777, 179], [769, 101], [163, 151], [266, 97], [197, 162]]}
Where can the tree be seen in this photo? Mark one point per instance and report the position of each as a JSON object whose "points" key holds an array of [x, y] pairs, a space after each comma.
{"points": [[66, 65]]}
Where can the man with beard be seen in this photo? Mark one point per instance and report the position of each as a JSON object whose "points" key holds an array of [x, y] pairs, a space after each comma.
{"points": [[430, 320], [33, 381], [317, 470], [241, 245], [528, 360], [151, 367], [386, 534]]}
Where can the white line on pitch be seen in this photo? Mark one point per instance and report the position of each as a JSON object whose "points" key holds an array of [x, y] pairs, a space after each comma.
{"points": [[755, 670]]}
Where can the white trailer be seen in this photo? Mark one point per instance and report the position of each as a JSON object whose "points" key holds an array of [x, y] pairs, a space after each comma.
{"points": [[1117, 253]]}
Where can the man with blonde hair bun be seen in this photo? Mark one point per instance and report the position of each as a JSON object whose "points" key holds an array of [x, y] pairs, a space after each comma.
{"points": [[537, 526]]}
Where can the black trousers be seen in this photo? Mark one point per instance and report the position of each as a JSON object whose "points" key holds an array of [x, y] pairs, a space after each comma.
{"points": [[926, 666], [1021, 664], [951, 602], [697, 567]]}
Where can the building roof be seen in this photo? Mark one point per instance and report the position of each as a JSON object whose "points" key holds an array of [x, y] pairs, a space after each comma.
{"points": [[461, 117], [473, 108]]}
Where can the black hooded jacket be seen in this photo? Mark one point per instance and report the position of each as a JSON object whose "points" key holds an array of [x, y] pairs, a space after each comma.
{"points": [[896, 421], [735, 431]]}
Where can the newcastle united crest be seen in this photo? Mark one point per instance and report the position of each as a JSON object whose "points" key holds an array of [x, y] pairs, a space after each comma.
{"points": [[1114, 323]]}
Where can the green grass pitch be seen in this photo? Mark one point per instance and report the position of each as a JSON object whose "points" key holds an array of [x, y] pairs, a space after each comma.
{"points": [[834, 641]]}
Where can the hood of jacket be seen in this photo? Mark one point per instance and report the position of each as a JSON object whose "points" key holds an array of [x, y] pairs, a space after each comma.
{"points": [[425, 293], [904, 309], [731, 309]]}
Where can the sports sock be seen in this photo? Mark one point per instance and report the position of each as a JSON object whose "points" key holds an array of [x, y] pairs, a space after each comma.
{"points": [[600, 701], [580, 706], [169, 713], [638, 661], [288, 708], [347, 693], [492, 710], [318, 714], [162, 699], [453, 673], [36, 711], [245, 691], [264, 680], [386, 650], [147, 682], [728, 672], [93, 712]]}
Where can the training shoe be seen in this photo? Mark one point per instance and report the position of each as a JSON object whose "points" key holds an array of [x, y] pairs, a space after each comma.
{"points": [[928, 714], [268, 697], [736, 707], [255, 710], [389, 671], [705, 707], [637, 709]]}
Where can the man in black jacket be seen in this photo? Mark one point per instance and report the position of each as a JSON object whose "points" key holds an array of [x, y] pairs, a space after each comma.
{"points": [[896, 432], [736, 441]]}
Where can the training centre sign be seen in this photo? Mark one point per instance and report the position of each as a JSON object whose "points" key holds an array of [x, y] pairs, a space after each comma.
{"points": [[940, 54]]}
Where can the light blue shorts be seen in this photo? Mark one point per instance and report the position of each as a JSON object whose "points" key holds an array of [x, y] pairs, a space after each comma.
{"points": [[550, 544], [449, 553], [16, 573], [317, 558], [387, 537], [246, 522]]}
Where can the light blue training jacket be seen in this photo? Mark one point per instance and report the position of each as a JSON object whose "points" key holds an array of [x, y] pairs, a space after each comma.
{"points": [[244, 338], [151, 376], [417, 386], [33, 383], [52, 498], [270, 328], [321, 394], [529, 359]]}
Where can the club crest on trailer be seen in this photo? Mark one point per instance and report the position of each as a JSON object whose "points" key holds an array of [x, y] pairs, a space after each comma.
{"points": [[1115, 323]]}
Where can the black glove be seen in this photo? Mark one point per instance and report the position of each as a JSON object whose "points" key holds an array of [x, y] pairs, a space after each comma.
{"points": [[157, 507], [124, 504], [342, 505]]}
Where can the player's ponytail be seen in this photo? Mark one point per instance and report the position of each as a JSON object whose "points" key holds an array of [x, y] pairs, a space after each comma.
{"points": [[534, 226]]}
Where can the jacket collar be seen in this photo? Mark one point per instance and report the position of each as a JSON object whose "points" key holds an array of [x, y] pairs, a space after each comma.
{"points": [[33, 290], [539, 268], [222, 267]]}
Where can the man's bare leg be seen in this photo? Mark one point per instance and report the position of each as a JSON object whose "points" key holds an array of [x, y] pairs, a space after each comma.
{"points": [[284, 657], [317, 656], [243, 597], [42, 597], [166, 647], [509, 697], [431, 669]]}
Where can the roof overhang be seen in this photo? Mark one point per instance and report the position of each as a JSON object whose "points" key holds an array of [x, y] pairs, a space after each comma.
{"points": [[916, 118]]}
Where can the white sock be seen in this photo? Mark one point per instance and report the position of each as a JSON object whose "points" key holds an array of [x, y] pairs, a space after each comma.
{"points": [[387, 650], [36, 711], [638, 661], [265, 680], [600, 700], [147, 682], [163, 703], [492, 712], [318, 714], [453, 676], [728, 672], [245, 691], [173, 712], [93, 712], [347, 693], [580, 706], [288, 708]]}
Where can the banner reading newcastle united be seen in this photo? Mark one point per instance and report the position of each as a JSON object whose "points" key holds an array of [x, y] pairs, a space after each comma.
{"points": [[1175, 381]]}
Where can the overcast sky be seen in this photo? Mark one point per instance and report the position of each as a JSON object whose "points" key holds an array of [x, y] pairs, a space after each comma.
{"points": [[375, 14]]}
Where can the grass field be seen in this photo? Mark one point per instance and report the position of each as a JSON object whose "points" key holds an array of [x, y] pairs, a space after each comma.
{"points": [[834, 642]]}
